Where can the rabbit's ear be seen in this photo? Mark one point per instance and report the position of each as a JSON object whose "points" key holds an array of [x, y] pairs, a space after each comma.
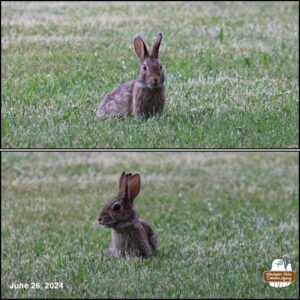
{"points": [[134, 185], [140, 47], [123, 184], [156, 45]]}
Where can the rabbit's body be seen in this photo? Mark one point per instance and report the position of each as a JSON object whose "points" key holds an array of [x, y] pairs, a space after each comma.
{"points": [[143, 97], [137, 239], [132, 98], [130, 235]]}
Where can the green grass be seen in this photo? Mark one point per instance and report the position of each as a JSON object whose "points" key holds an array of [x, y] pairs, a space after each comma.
{"points": [[231, 71], [221, 218]]}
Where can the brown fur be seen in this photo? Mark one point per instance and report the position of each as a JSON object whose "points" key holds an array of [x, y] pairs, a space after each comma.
{"points": [[130, 235], [147, 102], [143, 97]]}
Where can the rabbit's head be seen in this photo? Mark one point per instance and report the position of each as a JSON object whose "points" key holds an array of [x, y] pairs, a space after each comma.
{"points": [[119, 212], [151, 73]]}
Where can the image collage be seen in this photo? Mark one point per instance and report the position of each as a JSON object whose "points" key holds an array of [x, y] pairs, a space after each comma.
{"points": [[149, 149]]}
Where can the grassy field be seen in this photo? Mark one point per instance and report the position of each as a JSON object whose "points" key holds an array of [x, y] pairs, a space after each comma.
{"points": [[221, 218], [231, 70]]}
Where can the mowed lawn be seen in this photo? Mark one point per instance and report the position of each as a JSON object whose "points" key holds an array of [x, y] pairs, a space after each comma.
{"points": [[231, 73], [221, 218]]}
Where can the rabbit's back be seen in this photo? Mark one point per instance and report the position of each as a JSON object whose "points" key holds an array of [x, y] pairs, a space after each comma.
{"points": [[118, 102]]}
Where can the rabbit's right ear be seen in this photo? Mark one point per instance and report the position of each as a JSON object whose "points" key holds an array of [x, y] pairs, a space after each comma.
{"points": [[140, 47]]}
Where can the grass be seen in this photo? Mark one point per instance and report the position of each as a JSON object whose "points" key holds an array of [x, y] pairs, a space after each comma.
{"points": [[221, 218], [231, 69]]}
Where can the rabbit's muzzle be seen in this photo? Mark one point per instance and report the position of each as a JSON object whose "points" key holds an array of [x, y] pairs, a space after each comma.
{"points": [[154, 83], [103, 219], [106, 221]]}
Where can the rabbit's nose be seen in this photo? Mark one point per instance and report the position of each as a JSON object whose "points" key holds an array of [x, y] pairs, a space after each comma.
{"points": [[155, 80]]}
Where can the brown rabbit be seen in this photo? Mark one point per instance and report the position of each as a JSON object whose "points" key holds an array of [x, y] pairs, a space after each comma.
{"points": [[130, 235], [143, 97]]}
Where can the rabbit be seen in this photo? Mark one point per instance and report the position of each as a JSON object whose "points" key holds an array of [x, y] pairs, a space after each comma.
{"points": [[143, 97], [130, 236]]}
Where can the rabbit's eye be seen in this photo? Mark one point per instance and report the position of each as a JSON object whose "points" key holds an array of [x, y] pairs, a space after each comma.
{"points": [[117, 206], [144, 67]]}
